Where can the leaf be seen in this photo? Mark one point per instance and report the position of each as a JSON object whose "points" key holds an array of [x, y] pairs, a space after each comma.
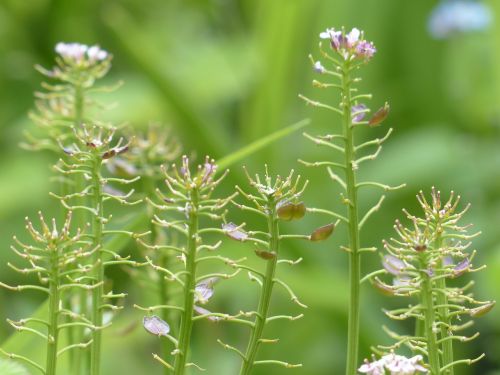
{"points": [[255, 146]]}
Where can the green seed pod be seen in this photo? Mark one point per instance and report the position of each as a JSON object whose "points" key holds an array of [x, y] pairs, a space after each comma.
{"points": [[379, 116], [291, 211], [322, 233], [264, 254]]}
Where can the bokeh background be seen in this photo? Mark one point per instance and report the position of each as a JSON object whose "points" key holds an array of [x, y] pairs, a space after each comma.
{"points": [[223, 73]]}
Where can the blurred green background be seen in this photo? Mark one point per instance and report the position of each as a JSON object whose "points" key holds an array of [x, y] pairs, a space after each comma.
{"points": [[222, 73]]}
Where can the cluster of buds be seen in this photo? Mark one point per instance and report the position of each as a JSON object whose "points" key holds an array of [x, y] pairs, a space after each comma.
{"points": [[394, 364], [421, 261], [350, 45]]}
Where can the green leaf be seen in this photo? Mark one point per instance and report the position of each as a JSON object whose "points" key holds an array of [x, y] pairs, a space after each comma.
{"points": [[255, 146]]}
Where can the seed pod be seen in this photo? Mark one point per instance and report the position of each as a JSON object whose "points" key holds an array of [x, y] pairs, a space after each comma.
{"points": [[383, 288], [322, 233], [482, 310], [379, 116], [291, 211], [155, 325], [264, 254], [234, 232]]}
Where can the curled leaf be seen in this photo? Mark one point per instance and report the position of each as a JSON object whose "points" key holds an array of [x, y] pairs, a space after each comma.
{"points": [[264, 254], [379, 116], [155, 325], [291, 211], [234, 231], [322, 233], [482, 310]]}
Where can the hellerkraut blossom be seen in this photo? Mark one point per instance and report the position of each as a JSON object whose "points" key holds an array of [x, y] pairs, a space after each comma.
{"points": [[77, 53], [347, 53], [394, 364], [349, 45]]}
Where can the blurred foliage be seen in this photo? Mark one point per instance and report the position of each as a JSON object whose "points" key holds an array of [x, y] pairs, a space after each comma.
{"points": [[223, 73]]}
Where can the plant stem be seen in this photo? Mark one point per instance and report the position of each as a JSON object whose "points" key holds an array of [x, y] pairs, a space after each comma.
{"points": [[352, 201], [52, 333], [443, 311], [149, 189], [430, 319], [76, 334], [265, 296], [97, 261], [189, 286]]}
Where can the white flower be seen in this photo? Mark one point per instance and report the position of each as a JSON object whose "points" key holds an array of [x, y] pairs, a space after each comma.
{"points": [[395, 364], [327, 34], [318, 67], [96, 54], [79, 53], [353, 37]]}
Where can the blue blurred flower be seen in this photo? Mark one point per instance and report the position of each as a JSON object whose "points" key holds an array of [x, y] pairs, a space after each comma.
{"points": [[458, 16]]}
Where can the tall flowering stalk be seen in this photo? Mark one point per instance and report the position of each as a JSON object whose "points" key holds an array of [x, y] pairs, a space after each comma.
{"points": [[276, 200], [66, 102], [350, 52], [424, 261], [190, 211], [56, 259], [148, 151], [85, 157]]}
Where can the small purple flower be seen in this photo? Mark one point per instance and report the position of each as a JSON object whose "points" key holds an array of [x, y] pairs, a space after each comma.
{"points": [[319, 68], [358, 113], [365, 50]]}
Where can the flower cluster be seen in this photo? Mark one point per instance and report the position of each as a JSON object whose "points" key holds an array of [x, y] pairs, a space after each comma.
{"points": [[349, 45], [395, 364], [81, 54]]}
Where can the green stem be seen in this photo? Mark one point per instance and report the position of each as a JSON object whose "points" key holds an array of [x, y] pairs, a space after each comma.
{"points": [[443, 311], [265, 296], [430, 319], [52, 332], [76, 334], [354, 254], [189, 286], [97, 261], [149, 188]]}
